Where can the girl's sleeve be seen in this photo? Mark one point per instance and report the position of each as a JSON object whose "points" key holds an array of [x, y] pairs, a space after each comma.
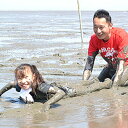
{"points": [[44, 87], [18, 88]]}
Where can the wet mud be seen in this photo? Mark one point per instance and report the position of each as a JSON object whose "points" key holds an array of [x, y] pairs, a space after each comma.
{"points": [[53, 45], [93, 105]]}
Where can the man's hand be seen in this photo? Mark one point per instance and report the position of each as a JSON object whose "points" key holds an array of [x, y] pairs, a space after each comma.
{"points": [[86, 74], [119, 72]]}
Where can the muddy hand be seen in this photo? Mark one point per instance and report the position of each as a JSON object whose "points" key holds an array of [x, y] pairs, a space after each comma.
{"points": [[115, 83], [46, 107]]}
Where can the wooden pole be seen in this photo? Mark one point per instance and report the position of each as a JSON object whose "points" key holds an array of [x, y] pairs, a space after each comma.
{"points": [[80, 21]]}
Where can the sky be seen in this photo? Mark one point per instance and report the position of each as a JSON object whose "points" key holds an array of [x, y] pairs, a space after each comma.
{"points": [[40, 5]]}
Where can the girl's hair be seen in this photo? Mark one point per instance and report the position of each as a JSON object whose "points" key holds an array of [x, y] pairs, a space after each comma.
{"points": [[101, 13], [20, 73]]}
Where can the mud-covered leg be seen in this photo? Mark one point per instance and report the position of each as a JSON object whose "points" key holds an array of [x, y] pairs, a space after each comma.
{"points": [[83, 90], [7, 87], [99, 86]]}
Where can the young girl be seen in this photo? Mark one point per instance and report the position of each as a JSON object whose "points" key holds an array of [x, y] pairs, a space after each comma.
{"points": [[32, 87]]}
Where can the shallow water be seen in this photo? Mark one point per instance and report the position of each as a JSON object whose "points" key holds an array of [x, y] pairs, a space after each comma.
{"points": [[51, 41], [91, 111]]}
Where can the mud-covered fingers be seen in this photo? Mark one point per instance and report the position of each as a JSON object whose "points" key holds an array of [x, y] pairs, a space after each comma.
{"points": [[86, 74], [45, 107]]}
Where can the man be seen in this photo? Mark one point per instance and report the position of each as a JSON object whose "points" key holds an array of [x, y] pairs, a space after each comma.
{"points": [[112, 44]]}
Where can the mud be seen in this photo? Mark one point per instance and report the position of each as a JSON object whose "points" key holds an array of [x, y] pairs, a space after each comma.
{"points": [[64, 67], [101, 109], [53, 45]]}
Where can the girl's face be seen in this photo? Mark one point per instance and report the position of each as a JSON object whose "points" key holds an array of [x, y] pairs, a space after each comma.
{"points": [[25, 78]]}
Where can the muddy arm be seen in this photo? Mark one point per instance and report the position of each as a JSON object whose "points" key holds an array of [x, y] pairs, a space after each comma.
{"points": [[89, 66], [7, 87], [59, 94]]}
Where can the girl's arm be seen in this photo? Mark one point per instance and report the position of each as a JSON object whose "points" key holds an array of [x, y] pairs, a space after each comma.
{"points": [[59, 94], [7, 87]]}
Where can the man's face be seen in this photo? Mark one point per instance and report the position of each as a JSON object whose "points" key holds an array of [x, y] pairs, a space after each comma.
{"points": [[102, 28]]}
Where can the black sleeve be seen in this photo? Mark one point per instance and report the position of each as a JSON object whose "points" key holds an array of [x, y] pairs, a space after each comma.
{"points": [[44, 87], [90, 61], [18, 88]]}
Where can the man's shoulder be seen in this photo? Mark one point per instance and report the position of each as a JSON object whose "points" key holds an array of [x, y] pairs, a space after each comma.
{"points": [[94, 37], [119, 31]]}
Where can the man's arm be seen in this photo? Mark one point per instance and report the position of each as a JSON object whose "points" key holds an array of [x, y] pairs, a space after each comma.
{"points": [[119, 72], [86, 74], [88, 67]]}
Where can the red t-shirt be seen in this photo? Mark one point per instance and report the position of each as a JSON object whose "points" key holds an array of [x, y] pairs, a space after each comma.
{"points": [[115, 48]]}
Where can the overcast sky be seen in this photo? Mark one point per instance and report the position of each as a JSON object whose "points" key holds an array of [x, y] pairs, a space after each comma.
{"points": [[114, 5]]}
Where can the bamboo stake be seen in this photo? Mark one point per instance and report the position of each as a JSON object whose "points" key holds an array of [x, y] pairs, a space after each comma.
{"points": [[80, 21]]}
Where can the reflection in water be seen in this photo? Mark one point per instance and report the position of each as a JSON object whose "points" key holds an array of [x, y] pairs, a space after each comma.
{"points": [[100, 108], [107, 112], [118, 120]]}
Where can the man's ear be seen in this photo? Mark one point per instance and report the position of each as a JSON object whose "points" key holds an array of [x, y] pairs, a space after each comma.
{"points": [[110, 25]]}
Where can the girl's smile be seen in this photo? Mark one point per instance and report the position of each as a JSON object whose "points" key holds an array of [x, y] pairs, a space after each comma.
{"points": [[24, 83], [25, 78]]}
